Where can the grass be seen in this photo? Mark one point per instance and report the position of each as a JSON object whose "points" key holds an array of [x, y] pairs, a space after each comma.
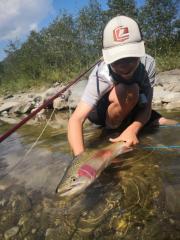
{"points": [[167, 62]]}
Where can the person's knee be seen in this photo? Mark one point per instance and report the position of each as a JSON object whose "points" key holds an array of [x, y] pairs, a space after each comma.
{"points": [[123, 94]]}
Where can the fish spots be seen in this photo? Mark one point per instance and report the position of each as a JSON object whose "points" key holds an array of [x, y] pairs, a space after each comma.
{"points": [[103, 154], [87, 171]]}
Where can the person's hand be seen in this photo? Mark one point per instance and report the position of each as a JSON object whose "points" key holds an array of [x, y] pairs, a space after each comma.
{"points": [[127, 136]]}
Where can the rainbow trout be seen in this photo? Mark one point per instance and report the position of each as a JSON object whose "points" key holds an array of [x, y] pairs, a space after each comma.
{"points": [[85, 169]]}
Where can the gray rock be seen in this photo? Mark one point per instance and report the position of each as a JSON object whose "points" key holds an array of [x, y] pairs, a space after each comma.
{"points": [[9, 120], [171, 97], [76, 93], [56, 84], [7, 106], [61, 101], [26, 108], [60, 104], [168, 77], [165, 98], [22, 108], [8, 96], [4, 114], [38, 99], [54, 90], [173, 105], [159, 94]]}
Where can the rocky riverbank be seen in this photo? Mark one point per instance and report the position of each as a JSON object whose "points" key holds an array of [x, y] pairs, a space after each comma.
{"points": [[15, 106]]}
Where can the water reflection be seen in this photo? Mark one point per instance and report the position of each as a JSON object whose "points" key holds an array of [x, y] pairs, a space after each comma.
{"points": [[137, 197]]}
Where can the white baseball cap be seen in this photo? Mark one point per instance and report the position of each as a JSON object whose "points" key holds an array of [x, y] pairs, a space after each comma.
{"points": [[121, 39]]}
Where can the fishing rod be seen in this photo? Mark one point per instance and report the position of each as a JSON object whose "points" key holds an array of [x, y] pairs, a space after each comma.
{"points": [[46, 103]]}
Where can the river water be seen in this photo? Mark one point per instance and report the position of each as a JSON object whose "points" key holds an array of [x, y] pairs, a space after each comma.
{"points": [[137, 197]]}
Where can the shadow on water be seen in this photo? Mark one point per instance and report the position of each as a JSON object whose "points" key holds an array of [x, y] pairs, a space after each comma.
{"points": [[137, 197]]}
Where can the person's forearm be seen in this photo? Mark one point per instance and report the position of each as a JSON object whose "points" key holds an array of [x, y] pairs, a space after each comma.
{"points": [[75, 136], [141, 119]]}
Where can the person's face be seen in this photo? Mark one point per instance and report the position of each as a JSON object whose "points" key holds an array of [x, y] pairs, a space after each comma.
{"points": [[125, 67]]}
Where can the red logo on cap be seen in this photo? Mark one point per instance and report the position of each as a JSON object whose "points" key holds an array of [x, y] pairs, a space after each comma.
{"points": [[121, 34]]}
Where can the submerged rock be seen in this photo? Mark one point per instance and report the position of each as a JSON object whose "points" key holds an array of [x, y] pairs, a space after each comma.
{"points": [[21, 203], [4, 185], [52, 234], [11, 232]]}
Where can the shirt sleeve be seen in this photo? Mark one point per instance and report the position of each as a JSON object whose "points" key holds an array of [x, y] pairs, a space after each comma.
{"points": [[99, 83], [147, 79], [151, 70]]}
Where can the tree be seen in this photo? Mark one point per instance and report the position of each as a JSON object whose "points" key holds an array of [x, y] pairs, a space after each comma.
{"points": [[157, 20], [90, 24], [157, 17], [122, 7]]}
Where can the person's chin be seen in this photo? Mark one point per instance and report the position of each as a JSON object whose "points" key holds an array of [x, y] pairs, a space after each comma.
{"points": [[127, 77]]}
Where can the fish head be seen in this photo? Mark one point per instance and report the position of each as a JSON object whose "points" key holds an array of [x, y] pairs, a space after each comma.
{"points": [[74, 184]]}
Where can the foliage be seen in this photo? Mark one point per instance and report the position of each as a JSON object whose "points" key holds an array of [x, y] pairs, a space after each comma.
{"points": [[122, 7], [70, 44], [90, 24], [157, 18]]}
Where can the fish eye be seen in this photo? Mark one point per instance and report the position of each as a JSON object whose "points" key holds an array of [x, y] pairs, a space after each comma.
{"points": [[73, 179]]}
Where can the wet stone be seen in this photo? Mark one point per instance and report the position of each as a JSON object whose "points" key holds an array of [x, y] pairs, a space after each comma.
{"points": [[7, 219], [27, 223], [23, 220], [52, 234], [21, 203], [34, 230], [4, 185], [11, 232], [29, 238], [2, 203]]}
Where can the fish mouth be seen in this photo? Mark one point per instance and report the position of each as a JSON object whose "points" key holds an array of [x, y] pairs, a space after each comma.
{"points": [[70, 192], [73, 190]]}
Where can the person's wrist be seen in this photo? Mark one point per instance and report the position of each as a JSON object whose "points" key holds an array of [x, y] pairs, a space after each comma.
{"points": [[135, 127]]}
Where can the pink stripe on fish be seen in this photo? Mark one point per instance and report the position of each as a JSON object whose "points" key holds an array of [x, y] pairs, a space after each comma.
{"points": [[103, 154], [87, 171]]}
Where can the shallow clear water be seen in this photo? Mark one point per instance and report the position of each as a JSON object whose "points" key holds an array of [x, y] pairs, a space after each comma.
{"points": [[137, 197]]}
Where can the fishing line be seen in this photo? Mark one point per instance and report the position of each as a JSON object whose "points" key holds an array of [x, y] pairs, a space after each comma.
{"points": [[32, 146], [35, 143], [161, 147], [169, 126]]}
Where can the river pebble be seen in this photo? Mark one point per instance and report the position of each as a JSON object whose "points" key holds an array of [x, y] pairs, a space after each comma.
{"points": [[2, 202], [52, 234], [21, 203], [4, 185], [11, 232]]}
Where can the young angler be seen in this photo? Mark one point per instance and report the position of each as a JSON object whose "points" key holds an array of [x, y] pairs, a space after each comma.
{"points": [[120, 88]]}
